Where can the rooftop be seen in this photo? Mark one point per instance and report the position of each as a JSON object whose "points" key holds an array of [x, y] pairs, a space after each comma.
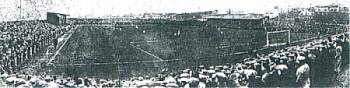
{"points": [[236, 16], [58, 13]]}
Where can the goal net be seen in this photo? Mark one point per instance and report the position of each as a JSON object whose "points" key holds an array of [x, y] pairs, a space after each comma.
{"points": [[276, 38]]}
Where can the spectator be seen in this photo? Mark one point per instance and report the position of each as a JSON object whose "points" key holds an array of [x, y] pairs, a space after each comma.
{"points": [[303, 73], [294, 63], [338, 57]]}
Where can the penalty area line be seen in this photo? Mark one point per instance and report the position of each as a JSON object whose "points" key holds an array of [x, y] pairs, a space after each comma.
{"points": [[160, 59]]}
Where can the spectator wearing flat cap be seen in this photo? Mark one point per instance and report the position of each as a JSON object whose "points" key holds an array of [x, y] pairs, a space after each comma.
{"points": [[281, 71], [220, 77], [193, 80], [171, 84], [203, 79], [303, 73]]}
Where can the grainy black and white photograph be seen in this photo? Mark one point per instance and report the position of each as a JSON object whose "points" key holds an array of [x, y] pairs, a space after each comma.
{"points": [[174, 43]]}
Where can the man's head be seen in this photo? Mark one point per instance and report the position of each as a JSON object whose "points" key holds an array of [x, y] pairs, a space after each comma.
{"points": [[186, 71], [140, 78], [201, 67], [301, 59], [48, 79]]}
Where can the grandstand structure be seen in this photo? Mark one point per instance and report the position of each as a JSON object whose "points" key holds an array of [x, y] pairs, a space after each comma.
{"points": [[238, 21], [56, 18]]}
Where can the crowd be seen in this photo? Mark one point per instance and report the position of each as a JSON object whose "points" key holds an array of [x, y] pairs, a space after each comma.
{"points": [[293, 66], [21, 40], [288, 67]]}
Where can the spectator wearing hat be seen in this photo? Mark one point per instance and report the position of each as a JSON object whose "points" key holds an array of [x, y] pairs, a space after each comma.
{"points": [[51, 83], [265, 69], [193, 80], [87, 82], [251, 76], [184, 78], [211, 70], [69, 83], [338, 57], [2, 80], [220, 77], [126, 83], [264, 65], [150, 83], [40, 83], [281, 71], [235, 78], [203, 79], [303, 73], [171, 84], [201, 68], [140, 83]]}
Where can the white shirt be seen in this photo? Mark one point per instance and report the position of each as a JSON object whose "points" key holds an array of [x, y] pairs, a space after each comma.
{"points": [[338, 50], [52, 85], [249, 73], [303, 73], [281, 68]]}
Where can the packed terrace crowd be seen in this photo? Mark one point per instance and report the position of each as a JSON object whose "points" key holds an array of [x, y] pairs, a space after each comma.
{"points": [[22, 40], [291, 66]]}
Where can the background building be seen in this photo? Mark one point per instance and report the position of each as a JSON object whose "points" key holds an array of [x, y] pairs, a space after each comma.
{"points": [[244, 21], [56, 18], [331, 14]]}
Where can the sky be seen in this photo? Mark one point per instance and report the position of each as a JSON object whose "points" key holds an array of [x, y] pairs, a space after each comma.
{"points": [[117, 7], [101, 8]]}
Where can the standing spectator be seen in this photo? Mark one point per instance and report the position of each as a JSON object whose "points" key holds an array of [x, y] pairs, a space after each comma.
{"points": [[193, 80], [203, 79], [338, 57], [220, 77], [281, 69], [303, 73]]}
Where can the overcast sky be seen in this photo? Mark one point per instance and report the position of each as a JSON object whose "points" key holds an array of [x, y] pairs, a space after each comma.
{"points": [[9, 9], [105, 7]]}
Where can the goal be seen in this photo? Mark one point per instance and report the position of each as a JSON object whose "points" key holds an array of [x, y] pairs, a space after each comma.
{"points": [[277, 38]]}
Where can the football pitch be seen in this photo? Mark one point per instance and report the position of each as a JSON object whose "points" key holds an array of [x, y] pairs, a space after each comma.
{"points": [[132, 50]]}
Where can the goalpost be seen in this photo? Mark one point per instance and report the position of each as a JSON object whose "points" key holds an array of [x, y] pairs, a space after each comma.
{"points": [[277, 38]]}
